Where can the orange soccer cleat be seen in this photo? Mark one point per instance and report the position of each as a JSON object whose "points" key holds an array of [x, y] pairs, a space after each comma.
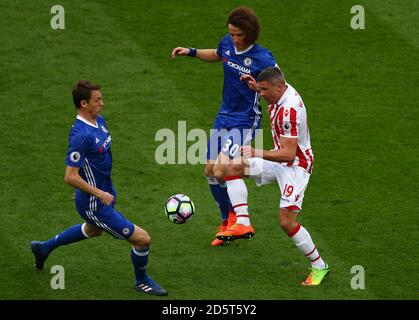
{"points": [[231, 219], [216, 242], [236, 231], [223, 227]]}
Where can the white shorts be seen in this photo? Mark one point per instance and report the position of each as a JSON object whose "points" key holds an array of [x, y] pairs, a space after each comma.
{"points": [[292, 181]]}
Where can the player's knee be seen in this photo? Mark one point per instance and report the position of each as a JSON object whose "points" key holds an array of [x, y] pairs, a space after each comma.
{"points": [[287, 224], [219, 172], [140, 238], [96, 233], [230, 169], [235, 169], [92, 231], [146, 240], [209, 172]]}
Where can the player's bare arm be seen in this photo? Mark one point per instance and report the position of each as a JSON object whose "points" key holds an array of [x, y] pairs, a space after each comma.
{"points": [[208, 55], [251, 82], [73, 178], [285, 154]]}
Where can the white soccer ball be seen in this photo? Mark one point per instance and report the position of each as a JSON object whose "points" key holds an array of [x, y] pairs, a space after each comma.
{"points": [[179, 208]]}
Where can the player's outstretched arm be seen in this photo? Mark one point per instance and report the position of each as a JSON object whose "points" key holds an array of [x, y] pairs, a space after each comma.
{"points": [[73, 178], [208, 55]]}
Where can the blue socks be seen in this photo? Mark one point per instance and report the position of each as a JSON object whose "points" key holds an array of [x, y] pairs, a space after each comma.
{"points": [[72, 234], [220, 195], [139, 260]]}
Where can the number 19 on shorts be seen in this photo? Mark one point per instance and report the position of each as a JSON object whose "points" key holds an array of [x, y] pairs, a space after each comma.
{"points": [[288, 190]]}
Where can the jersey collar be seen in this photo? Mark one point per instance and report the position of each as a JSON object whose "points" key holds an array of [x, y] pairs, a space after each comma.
{"points": [[79, 117], [244, 51]]}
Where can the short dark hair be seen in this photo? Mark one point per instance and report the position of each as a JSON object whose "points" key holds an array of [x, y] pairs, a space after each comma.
{"points": [[246, 20], [82, 91], [271, 74]]}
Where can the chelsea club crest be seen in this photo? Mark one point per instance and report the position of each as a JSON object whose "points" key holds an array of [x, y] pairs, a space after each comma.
{"points": [[247, 62]]}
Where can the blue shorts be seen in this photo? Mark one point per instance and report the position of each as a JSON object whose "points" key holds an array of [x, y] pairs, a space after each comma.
{"points": [[108, 219], [228, 139]]}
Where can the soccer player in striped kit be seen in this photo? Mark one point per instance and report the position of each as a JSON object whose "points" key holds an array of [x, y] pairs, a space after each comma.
{"points": [[290, 164], [240, 112], [88, 169]]}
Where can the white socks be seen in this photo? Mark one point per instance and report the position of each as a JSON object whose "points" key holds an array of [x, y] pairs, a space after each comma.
{"points": [[237, 192], [304, 243]]}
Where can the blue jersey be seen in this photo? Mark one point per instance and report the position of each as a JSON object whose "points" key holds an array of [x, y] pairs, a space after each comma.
{"points": [[90, 151], [239, 102]]}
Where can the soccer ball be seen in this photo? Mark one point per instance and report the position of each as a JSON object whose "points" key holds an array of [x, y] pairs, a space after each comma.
{"points": [[179, 208]]}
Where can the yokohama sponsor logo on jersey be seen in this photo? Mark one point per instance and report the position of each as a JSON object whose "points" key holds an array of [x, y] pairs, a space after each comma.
{"points": [[238, 67]]}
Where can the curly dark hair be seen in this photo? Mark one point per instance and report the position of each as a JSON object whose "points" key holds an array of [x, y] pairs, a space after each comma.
{"points": [[246, 20]]}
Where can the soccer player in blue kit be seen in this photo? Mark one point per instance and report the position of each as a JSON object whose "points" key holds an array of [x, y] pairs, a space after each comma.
{"points": [[88, 169], [240, 112]]}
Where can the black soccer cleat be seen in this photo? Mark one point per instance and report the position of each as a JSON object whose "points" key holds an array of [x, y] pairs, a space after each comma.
{"points": [[150, 287], [39, 256]]}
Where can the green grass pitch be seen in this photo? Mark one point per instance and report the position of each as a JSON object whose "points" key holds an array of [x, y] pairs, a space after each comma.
{"points": [[360, 89]]}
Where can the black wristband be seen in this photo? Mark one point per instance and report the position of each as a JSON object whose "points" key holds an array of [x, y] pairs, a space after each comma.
{"points": [[192, 52]]}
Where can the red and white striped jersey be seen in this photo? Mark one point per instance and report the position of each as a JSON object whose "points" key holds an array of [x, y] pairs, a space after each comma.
{"points": [[288, 118]]}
